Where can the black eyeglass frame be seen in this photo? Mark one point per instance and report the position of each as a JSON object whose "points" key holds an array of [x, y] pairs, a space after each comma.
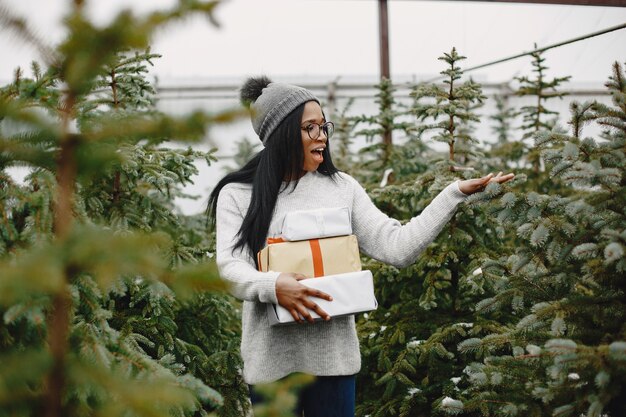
{"points": [[323, 126]]}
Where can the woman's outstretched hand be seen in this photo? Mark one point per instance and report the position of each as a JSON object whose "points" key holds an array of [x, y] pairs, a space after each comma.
{"points": [[478, 184], [295, 297]]}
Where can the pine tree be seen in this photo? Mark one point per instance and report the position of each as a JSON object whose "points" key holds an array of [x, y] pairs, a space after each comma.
{"points": [[379, 161], [452, 111], [507, 151], [245, 151], [409, 343], [503, 119], [343, 138], [103, 290], [565, 352], [537, 117], [467, 145]]}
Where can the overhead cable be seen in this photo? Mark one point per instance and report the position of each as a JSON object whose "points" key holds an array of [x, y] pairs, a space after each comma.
{"points": [[545, 48]]}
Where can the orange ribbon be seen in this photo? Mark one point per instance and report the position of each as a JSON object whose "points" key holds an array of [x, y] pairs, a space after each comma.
{"points": [[272, 240], [316, 253]]}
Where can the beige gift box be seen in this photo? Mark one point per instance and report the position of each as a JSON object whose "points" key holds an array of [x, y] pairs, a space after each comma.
{"points": [[352, 293], [311, 258]]}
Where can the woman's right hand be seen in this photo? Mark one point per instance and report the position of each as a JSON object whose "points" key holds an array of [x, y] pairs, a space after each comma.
{"points": [[295, 297]]}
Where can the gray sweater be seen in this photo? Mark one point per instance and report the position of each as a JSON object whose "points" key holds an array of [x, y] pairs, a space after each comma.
{"points": [[321, 348]]}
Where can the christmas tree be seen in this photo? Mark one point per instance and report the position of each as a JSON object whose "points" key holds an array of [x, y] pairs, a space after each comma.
{"points": [[506, 151], [245, 151], [343, 138], [536, 116], [380, 162], [564, 354], [425, 310], [107, 294]]}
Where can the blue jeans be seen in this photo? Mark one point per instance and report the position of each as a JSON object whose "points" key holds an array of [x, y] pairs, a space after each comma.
{"points": [[327, 396]]}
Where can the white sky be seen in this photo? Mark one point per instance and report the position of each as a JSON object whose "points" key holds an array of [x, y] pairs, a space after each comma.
{"points": [[330, 38], [340, 38]]}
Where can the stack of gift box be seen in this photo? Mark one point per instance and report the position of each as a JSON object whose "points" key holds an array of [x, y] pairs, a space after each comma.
{"points": [[319, 244]]}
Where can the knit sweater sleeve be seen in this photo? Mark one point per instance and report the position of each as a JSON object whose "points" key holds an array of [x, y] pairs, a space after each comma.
{"points": [[236, 266], [387, 240]]}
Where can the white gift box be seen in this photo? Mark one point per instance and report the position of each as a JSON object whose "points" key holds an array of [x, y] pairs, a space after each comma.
{"points": [[316, 224], [352, 293]]}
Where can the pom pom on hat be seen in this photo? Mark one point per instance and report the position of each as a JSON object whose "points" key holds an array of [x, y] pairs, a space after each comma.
{"points": [[271, 102], [252, 89]]}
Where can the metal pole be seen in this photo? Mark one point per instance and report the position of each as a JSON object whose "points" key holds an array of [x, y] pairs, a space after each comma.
{"points": [[384, 60], [384, 39]]}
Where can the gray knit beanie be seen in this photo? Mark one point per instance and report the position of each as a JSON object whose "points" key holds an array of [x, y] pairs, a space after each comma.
{"points": [[271, 102]]}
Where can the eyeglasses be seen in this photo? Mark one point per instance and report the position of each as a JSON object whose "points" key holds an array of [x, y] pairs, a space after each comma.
{"points": [[314, 129]]}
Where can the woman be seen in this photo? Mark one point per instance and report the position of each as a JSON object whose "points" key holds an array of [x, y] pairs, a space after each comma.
{"points": [[294, 171]]}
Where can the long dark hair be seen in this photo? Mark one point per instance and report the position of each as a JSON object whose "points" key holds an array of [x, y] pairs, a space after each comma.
{"points": [[281, 159]]}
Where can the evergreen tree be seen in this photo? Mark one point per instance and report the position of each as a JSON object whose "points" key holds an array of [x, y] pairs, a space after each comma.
{"points": [[245, 151], [565, 352], [507, 151], [103, 286], [503, 119], [466, 150], [379, 160], [409, 343], [537, 117], [452, 111], [343, 138]]}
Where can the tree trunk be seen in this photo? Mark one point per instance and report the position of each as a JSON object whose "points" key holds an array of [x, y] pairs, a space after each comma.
{"points": [[59, 319]]}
